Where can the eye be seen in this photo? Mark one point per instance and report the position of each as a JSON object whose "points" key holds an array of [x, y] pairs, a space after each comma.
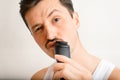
{"points": [[38, 28], [56, 19]]}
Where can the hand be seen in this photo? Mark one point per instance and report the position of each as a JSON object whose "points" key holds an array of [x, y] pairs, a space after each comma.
{"points": [[70, 70]]}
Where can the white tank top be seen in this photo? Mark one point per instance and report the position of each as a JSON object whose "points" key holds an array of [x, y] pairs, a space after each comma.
{"points": [[102, 71], [49, 74]]}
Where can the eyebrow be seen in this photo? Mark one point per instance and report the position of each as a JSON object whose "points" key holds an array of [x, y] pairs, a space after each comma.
{"points": [[52, 12]]}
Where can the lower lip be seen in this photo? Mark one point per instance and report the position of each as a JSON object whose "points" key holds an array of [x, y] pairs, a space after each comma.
{"points": [[52, 46]]}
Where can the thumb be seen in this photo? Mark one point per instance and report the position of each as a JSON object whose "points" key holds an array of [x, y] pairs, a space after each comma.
{"points": [[62, 58]]}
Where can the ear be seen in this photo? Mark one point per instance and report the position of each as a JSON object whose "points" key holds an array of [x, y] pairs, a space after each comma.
{"points": [[76, 19]]}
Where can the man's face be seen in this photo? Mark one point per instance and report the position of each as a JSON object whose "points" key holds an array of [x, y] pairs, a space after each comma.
{"points": [[49, 21]]}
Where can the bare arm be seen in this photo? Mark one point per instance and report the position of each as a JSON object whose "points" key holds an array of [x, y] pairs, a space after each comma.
{"points": [[115, 75], [39, 75]]}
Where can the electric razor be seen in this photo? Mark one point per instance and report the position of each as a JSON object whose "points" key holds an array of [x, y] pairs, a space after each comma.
{"points": [[62, 48]]}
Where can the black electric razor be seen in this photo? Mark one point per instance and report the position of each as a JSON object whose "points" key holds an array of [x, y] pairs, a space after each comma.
{"points": [[62, 48]]}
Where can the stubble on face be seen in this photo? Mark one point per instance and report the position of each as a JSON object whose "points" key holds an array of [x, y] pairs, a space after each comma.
{"points": [[47, 45]]}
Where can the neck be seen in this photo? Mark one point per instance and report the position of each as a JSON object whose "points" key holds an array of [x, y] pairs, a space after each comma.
{"points": [[81, 56]]}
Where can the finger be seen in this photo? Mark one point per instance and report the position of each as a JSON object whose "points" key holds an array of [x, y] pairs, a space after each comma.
{"points": [[65, 59], [58, 67], [68, 72], [56, 75], [61, 70], [62, 58]]}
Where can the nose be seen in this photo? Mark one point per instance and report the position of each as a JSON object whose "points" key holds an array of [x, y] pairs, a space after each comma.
{"points": [[51, 31]]}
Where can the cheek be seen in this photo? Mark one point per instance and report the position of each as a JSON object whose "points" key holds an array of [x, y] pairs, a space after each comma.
{"points": [[39, 41], [70, 35], [67, 33]]}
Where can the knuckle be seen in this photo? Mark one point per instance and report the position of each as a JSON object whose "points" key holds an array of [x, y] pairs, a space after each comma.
{"points": [[66, 66], [63, 72]]}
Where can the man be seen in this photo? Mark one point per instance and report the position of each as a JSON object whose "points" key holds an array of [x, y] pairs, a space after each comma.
{"points": [[55, 20]]}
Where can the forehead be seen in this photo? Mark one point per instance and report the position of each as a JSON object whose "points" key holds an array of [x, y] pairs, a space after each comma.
{"points": [[45, 6], [43, 9]]}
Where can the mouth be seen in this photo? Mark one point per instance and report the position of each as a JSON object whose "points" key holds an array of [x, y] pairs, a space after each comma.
{"points": [[51, 45]]}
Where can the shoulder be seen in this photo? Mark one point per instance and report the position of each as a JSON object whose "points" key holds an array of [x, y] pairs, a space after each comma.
{"points": [[39, 75], [115, 75]]}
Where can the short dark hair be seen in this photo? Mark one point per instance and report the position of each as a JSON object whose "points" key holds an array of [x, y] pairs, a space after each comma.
{"points": [[26, 5]]}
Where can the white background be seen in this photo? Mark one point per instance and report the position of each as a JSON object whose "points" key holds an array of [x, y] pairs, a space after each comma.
{"points": [[20, 56]]}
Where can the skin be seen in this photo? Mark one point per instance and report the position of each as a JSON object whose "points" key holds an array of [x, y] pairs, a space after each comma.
{"points": [[49, 20]]}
